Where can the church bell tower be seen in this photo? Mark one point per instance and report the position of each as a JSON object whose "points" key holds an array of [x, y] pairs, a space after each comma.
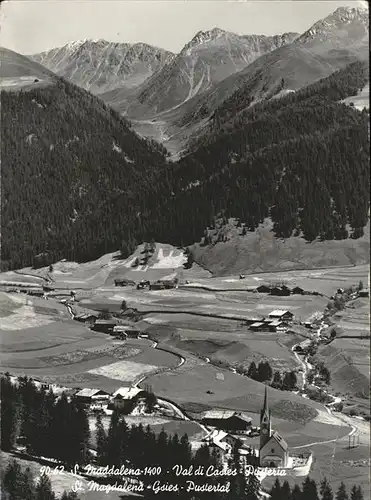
{"points": [[265, 422]]}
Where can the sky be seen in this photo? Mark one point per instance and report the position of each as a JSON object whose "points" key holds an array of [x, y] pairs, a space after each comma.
{"points": [[31, 26]]}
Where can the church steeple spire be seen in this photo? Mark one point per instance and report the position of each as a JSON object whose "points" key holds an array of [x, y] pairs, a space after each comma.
{"points": [[265, 421]]}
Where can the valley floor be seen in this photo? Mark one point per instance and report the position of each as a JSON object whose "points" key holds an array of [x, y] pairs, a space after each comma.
{"points": [[202, 323]]}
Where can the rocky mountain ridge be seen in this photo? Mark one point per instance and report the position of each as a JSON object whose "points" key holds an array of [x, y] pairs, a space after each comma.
{"points": [[210, 57], [100, 66]]}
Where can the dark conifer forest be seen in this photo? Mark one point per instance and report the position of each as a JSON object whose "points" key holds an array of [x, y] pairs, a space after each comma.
{"points": [[77, 182]]}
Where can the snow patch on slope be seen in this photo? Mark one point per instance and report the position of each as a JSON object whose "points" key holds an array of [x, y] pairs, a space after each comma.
{"points": [[168, 261]]}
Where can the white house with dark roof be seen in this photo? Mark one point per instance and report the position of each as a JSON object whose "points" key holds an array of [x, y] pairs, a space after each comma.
{"points": [[281, 314], [92, 396], [124, 394]]}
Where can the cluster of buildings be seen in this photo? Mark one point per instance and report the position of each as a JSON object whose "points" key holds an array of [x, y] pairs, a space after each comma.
{"points": [[230, 429], [109, 326], [277, 321], [280, 290], [164, 283], [100, 400], [93, 399]]}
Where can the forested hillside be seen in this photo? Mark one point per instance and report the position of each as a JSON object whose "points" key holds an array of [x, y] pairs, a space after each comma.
{"points": [[338, 86], [77, 182], [73, 175], [302, 160]]}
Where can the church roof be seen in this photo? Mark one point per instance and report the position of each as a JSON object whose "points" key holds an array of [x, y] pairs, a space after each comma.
{"points": [[279, 439]]}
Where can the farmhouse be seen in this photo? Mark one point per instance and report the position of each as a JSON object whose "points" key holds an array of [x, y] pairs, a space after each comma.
{"points": [[124, 394], [124, 282], [281, 314], [253, 319], [259, 327], [92, 396], [170, 281], [126, 331], [227, 420], [273, 449], [303, 345], [143, 284], [263, 289], [297, 291], [104, 325], [277, 326], [280, 290]]}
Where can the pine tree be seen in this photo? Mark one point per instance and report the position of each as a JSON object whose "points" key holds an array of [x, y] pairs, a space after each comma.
{"points": [[13, 480], [341, 493], [252, 371], [113, 440], [63, 432], [356, 493], [69, 495], [325, 490], [296, 493], [10, 414], [309, 490], [101, 440], [276, 490], [289, 381], [150, 401], [264, 371], [44, 489], [285, 490], [27, 486], [277, 380], [162, 450]]}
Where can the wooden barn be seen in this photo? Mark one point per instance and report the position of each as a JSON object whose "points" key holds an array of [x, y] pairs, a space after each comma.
{"points": [[104, 325], [124, 282], [281, 291]]}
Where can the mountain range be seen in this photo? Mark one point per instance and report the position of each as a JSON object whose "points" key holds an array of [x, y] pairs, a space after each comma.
{"points": [[270, 144], [169, 96], [99, 66], [168, 108]]}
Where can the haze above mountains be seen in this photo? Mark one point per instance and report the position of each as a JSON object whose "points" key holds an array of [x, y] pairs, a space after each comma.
{"points": [[265, 139]]}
